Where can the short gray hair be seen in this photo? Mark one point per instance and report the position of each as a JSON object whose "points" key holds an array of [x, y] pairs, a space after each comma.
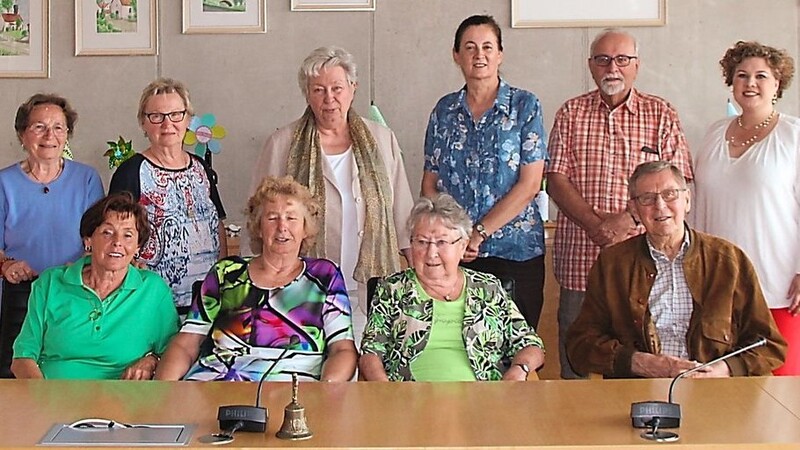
{"points": [[609, 31], [443, 207], [652, 167], [324, 58]]}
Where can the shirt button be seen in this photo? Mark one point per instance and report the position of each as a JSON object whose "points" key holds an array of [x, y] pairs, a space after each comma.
{"points": [[358, 199], [361, 233], [97, 328]]}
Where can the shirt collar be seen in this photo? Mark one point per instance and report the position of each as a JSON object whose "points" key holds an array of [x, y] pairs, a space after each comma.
{"points": [[631, 103], [502, 102], [133, 279], [684, 246]]}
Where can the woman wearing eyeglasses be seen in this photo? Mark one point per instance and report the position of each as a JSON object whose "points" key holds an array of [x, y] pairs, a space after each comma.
{"points": [[486, 146], [437, 321], [748, 182], [181, 200], [42, 198]]}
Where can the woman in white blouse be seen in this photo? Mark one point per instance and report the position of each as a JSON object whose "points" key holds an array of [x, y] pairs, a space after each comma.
{"points": [[747, 175]]}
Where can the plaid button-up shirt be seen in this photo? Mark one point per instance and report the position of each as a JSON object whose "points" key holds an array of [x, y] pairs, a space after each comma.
{"points": [[597, 149]]}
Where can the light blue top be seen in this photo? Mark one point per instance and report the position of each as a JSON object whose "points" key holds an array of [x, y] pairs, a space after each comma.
{"points": [[479, 163], [43, 229]]}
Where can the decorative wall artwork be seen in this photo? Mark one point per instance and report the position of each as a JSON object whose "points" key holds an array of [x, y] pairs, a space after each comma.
{"points": [[587, 13], [116, 27], [333, 5], [224, 16], [24, 39]]}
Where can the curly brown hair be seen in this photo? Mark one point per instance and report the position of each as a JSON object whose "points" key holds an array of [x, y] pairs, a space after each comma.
{"points": [[269, 189], [778, 60]]}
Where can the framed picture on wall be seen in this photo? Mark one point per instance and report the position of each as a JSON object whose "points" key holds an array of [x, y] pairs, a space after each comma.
{"points": [[587, 13], [333, 5], [224, 16], [25, 39], [116, 27]]}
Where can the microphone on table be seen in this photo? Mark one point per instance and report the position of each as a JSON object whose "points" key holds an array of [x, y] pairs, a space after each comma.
{"points": [[252, 418], [656, 414]]}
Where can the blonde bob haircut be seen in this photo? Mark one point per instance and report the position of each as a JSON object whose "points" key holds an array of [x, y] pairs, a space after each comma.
{"points": [[269, 190], [164, 86]]}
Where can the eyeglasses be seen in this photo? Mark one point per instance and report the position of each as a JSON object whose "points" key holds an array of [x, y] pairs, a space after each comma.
{"points": [[40, 129], [649, 198], [157, 117], [620, 60], [424, 244]]}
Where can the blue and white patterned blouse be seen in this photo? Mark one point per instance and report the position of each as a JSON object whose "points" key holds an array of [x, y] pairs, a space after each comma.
{"points": [[479, 163]]}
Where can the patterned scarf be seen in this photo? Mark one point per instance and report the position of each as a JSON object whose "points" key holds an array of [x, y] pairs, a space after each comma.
{"points": [[378, 255]]}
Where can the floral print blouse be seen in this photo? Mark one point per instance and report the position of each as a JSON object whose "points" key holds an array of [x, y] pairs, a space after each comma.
{"points": [[478, 162], [400, 319]]}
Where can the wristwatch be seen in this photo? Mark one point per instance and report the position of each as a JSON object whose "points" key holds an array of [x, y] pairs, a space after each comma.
{"points": [[481, 230], [525, 369]]}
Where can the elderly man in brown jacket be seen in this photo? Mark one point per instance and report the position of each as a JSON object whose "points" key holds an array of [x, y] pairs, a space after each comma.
{"points": [[666, 301]]}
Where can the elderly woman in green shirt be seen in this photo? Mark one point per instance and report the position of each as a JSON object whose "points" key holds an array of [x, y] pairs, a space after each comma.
{"points": [[441, 322], [100, 317]]}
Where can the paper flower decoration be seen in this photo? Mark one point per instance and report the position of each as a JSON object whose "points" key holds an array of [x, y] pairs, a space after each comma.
{"points": [[204, 134], [67, 152], [118, 152]]}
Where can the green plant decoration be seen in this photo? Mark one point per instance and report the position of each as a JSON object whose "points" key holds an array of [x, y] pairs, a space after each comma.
{"points": [[118, 152]]}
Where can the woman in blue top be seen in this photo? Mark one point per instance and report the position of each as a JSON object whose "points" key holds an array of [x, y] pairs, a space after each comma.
{"points": [[42, 198], [486, 146]]}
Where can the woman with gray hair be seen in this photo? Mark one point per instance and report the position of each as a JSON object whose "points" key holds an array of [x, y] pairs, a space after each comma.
{"points": [[437, 321], [353, 166]]}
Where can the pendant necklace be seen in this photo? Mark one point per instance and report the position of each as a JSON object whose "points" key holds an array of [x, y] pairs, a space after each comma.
{"points": [[45, 187]]}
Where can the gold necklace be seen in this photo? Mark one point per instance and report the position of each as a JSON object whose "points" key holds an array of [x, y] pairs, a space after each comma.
{"points": [[747, 142], [46, 189]]}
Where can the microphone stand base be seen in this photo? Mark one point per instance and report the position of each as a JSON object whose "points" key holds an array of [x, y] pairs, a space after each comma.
{"points": [[660, 436]]}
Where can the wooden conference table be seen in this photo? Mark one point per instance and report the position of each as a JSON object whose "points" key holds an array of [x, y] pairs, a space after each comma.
{"points": [[745, 413]]}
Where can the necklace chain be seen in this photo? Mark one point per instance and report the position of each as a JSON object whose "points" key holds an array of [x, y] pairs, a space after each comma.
{"points": [[46, 189], [747, 142]]}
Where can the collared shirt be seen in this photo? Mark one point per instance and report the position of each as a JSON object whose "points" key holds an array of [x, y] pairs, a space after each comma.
{"points": [[71, 333], [479, 162], [598, 148], [670, 301]]}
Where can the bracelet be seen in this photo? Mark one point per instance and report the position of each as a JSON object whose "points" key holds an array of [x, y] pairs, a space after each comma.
{"points": [[154, 355]]}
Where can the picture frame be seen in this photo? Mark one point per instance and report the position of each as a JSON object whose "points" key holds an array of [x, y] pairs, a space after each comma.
{"points": [[25, 40], [587, 13], [333, 5], [224, 17], [116, 27]]}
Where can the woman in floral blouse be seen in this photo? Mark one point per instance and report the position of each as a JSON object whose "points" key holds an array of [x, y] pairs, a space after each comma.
{"points": [[441, 322], [486, 146]]}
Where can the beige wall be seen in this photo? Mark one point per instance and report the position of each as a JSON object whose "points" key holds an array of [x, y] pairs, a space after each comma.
{"points": [[404, 52]]}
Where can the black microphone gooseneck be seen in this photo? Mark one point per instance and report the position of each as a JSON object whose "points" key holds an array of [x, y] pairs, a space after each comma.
{"points": [[644, 414], [251, 418], [293, 340], [755, 344]]}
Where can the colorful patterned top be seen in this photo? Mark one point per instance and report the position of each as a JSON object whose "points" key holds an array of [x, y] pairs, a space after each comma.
{"points": [[597, 149], [251, 325], [479, 163], [184, 211], [400, 320]]}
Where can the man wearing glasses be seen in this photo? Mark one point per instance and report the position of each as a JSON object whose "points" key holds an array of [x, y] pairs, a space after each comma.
{"points": [[668, 300], [597, 140]]}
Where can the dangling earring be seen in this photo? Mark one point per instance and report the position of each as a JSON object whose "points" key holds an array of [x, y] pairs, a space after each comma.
{"points": [[87, 248], [775, 98], [136, 255]]}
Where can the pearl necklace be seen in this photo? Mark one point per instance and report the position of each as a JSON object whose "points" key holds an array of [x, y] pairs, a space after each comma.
{"points": [[747, 142]]}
